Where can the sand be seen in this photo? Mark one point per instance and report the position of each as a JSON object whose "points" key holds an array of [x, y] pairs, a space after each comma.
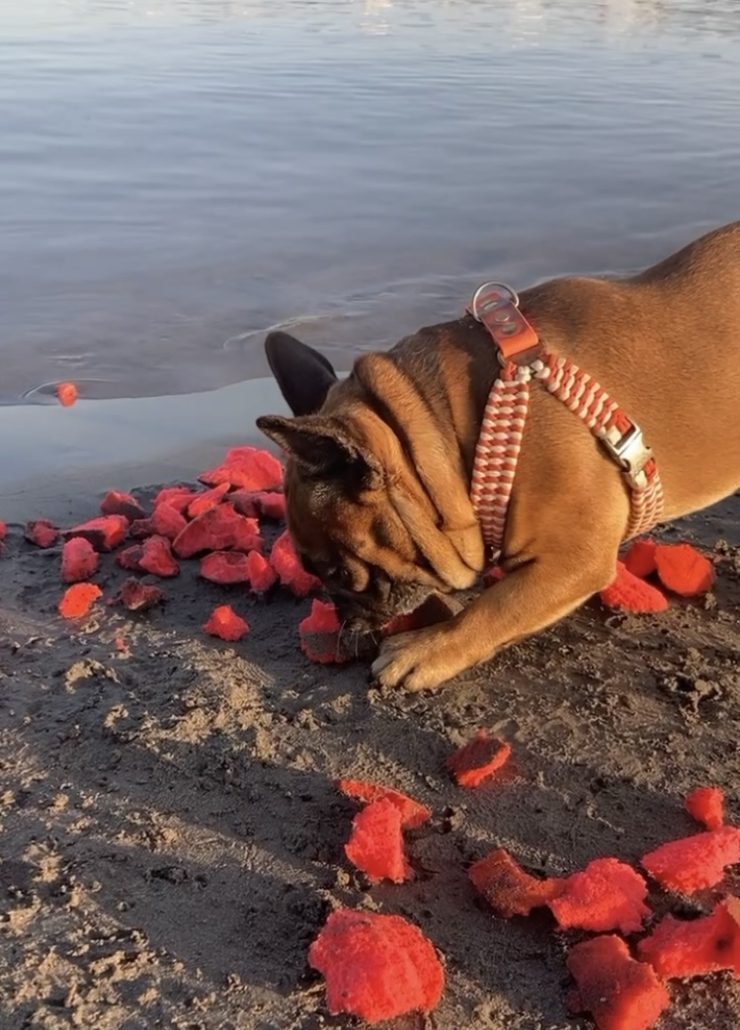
{"points": [[170, 839]]}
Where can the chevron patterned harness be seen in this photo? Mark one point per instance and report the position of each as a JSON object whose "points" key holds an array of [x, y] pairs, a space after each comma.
{"points": [[523, 358]]}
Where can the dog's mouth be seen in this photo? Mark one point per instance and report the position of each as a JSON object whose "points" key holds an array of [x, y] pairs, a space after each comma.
{"points": [[361, 614]]}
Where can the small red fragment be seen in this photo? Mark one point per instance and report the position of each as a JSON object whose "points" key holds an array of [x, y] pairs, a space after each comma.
{"points": [[376, 844], [138, 596], [66, 394], [78, 600], [104, 533], [376, 967], [630, 594], [475, 761], [706, 805], [695, 862], [156, 557], [130, 558], [679, 947], [683, 569], [620, 993], [413, 814], [164, 521], [223, 622], [606, 895], [117, 503], [493, 575], [290, 572], [177, 497], [220, 529], [41, 533], [248, 468], [79, 560], [319, 634], [225, 567], [261, 573], [640, 558], [431, 612], [508, 888], [3, 531], [270, 505], [207, 500]]}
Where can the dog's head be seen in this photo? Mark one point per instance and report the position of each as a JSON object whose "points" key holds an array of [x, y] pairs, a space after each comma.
{"points": [[359, 516]]}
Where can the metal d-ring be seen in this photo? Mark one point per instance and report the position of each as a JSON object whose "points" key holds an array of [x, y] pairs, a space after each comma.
{"points": [[513, 297]]}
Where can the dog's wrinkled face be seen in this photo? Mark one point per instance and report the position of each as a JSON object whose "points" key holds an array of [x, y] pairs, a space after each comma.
{"points": [[358, 520]]}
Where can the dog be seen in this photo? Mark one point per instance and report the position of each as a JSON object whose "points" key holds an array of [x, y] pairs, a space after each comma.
{"points": [[379, 463]]}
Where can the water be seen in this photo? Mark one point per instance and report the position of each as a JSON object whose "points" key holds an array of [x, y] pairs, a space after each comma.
{"points": [[176, 176]]}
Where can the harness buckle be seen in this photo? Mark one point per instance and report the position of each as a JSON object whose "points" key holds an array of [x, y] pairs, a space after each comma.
{"points": [[632, 454]]}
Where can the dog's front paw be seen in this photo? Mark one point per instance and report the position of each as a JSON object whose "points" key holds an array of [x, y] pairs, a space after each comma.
{"points": [[421, 660]]}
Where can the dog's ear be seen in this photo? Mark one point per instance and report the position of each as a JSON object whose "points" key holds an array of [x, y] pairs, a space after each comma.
{"points": [[324, 448], [303, 375]]}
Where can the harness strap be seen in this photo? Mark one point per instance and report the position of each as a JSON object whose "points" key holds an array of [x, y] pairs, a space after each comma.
{"points": [[523, 358]]}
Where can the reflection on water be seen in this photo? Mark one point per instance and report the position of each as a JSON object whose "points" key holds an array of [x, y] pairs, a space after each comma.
{"points": [[178, 175]]}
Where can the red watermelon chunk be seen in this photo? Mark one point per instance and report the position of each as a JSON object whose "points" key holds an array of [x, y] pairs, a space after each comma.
{"points": [[104, 533], [682, 569], [477, 760], [618, 992], [376, 843], [137, 596], [219, 529], [412, 813], [177, 497], [207, 500], [509, 889], [116, 502], [41, 533], [247, 468], [129, 558], [706, 805], [156, 557], [261, 573], [225, 567], [692, 863], [3, 531], [289, 570], [639, 559], [630, 594], [376, 967], [79, 560], [606, 895], [78, 600], [319, 634], [679, 947], [223, 622]]}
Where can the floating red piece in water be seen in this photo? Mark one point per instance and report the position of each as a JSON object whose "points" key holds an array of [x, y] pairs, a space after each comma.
{"points": [[79, 560], [220, 529], [679, 947], [247, 468], [376, 843], [223, 622], [78, 600], [630, 594], [116, 502], [508, 888], [475, 761], [290, 572], [156, 557], [620, 993], [225, 567], [319, 634], [606, 895], [706, 805], [695, 862], [137, 596], [682, 569], [67, 394], [261, 573], [376, 967], [639, 559], [104, 533], [413, 814], [202, 503], [41, 533]]}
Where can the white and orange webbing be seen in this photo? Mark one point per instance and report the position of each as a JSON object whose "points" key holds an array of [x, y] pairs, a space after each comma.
{"points": [[505, 414]]}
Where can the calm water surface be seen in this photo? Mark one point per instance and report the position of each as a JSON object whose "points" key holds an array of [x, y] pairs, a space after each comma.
{"points": [[176, 176]]}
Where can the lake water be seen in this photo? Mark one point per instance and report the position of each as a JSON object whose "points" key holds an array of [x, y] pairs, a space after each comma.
{"points": [[176, 176]]}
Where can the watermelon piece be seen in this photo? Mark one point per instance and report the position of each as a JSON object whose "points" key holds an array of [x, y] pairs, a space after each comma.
{"points": [[67, 394], [261, 573], [164, 521], [706, 805], [477, 760], [223, 622], [289, 570], [639, 559], [319, 634], [244, 502], [433, 610], [130, 558], [116, 502], [606, 895], [177, 497], [683, 570], [137, 596], [619, 993], [104, 533], [225, 567], [376, 967], [630, 594], [219, 529], [509, 889], [270, 505], [41, 533], [79, 560], [248, 468], [78, 600], [678, 947], [692, 863], [3, 531], [202, 503], [413, 814], [376, 844], [493, 575], [156, 557]]}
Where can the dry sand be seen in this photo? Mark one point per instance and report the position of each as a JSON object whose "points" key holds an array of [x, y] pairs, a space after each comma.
{"points": [[171, 840]]}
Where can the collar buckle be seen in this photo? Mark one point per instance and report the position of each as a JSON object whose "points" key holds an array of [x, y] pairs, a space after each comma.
{"points": [[631, 453]]}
